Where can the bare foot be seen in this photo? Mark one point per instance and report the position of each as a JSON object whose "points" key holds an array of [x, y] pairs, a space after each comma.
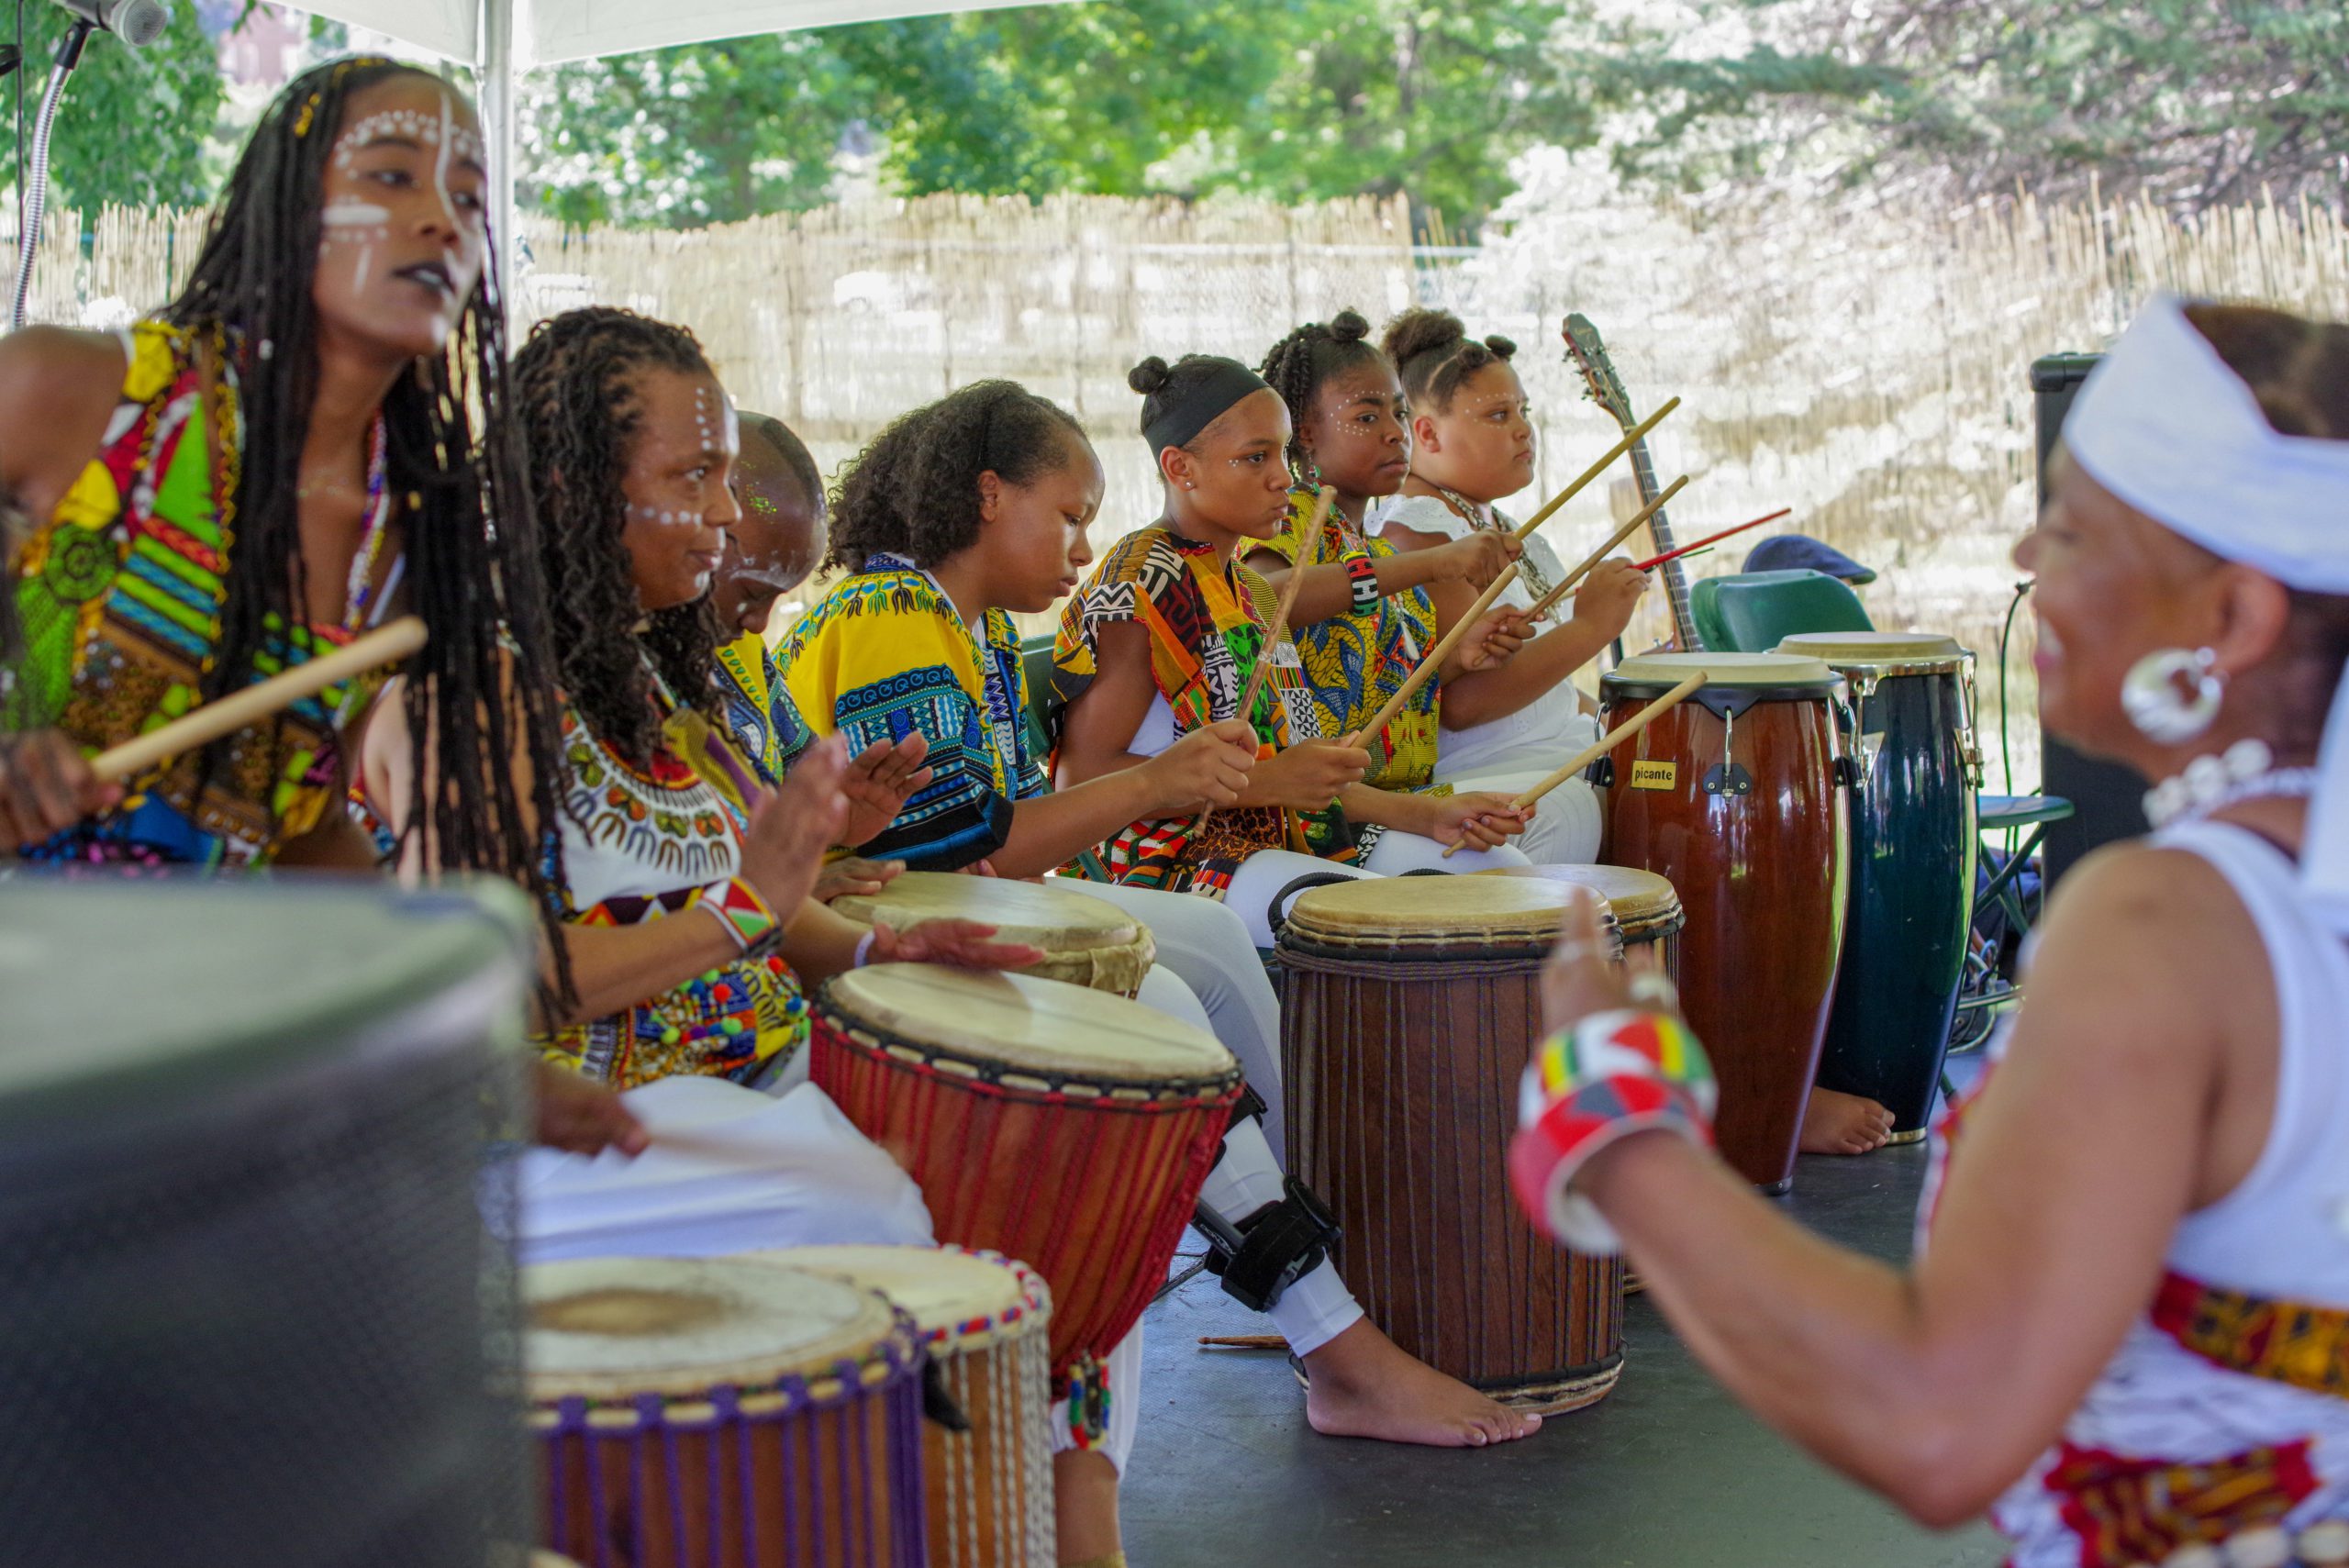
{"points": [[1838, 1123], [1363, 1386]]}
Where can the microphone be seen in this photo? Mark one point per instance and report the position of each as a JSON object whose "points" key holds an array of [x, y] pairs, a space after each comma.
{"points": [[136, 22]]}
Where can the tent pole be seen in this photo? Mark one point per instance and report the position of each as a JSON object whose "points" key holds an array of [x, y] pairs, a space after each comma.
{"points": [[498, 132]]}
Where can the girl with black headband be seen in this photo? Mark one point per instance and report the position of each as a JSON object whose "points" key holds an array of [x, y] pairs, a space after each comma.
{"points": [[1164, 638]]}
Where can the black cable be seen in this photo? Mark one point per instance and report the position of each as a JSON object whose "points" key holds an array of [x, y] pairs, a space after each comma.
{"points": [[20, 125], [2006, 733]]}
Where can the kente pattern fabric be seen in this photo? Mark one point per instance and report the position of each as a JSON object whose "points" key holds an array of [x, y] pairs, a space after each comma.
{"points": [[1207, 622], [884, 655], [759, 708], [1355, 661], [2226, 1408], [637, 846], [119, 599]]}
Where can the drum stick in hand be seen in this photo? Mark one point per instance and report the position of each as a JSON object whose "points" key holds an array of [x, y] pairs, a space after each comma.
{"points": [[387, 645], [1608, 743], [1630, 525], [1434, 659], [1308, 551], [1525, 529]]}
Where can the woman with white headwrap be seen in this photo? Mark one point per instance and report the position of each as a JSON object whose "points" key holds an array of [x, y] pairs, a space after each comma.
{"points": [[2127, 1338]]}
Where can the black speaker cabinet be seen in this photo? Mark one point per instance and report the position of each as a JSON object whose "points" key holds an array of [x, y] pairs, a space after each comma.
{"points": [[2107, 797]]}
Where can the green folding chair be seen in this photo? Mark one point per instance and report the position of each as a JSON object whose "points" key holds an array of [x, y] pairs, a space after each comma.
{"points": [[1752, 612]]}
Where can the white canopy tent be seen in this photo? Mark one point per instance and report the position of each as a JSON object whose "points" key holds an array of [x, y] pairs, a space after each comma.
{"points": [[501, 39]]}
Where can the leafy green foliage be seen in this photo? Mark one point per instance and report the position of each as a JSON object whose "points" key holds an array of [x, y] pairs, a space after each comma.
{"points": [[133, 124]]}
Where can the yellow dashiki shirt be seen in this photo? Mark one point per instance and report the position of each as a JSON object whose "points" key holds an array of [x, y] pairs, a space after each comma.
{"points": [[118, 598], [886, 654], [759, 709], [643, 844], [1355, 661], [1207, 620]]}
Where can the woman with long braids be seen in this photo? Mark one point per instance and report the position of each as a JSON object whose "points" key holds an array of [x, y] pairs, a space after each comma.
{"points": [[2126, 1332], [282, 457]]}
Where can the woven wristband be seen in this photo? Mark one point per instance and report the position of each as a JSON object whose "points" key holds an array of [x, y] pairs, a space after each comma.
{"points": [[739, 908], [1362, 577]]}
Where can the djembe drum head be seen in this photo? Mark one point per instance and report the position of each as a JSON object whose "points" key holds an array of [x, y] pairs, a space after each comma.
{"points": [[1085, 941]]}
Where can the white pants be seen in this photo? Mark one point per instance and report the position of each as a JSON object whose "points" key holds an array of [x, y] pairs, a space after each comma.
{"points": [[1566, 824]]}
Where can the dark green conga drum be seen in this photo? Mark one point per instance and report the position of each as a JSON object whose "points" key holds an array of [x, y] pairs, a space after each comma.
{"points": [[1913, 851], [253, 1289]]}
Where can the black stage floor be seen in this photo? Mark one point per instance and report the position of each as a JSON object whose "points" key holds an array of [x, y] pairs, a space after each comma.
{"points": [[1666, 1473]]}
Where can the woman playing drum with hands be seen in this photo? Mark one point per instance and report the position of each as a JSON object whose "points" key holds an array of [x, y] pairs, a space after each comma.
{"points": [[2124, 1334]]}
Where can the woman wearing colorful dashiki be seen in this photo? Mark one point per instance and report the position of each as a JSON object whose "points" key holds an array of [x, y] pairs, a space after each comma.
{"points": [[1162, 641], [197, 506], [2126, 1335], [962, 514]]}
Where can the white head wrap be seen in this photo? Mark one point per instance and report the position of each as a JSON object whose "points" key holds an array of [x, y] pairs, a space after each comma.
{"points": [[2165, 425]]}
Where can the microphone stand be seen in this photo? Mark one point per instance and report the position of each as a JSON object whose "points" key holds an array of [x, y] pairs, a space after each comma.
{"points": [[69, 55]]}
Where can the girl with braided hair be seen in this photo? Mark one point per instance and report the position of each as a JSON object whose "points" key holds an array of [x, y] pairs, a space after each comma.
{"points": [[287, 453]]}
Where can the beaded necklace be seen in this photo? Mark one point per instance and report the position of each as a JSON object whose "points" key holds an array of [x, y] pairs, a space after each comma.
{"points": [[1488, 519]]}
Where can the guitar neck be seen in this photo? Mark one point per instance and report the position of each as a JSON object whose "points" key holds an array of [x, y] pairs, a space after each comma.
{"points": [[1676, 582]]}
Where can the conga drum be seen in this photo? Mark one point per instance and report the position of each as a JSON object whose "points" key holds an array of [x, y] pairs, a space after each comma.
{"points": [[985, 1320], [726, 1411], [1062, 1126], [1085, 941], [1913, 848], [1646, 910], [1412, 1006], [1733, 797]]}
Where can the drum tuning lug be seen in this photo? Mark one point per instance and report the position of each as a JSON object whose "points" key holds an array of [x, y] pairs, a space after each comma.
{"points": [[1731, 779], [1601, 773], [1847, 772]]}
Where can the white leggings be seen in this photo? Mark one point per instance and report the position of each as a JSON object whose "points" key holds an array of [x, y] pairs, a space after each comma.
{"points": [[1566, 824]]}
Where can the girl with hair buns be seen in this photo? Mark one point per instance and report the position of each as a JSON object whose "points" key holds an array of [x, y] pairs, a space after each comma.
{"points": [[2126, 1335], [1363, 616], [1163, 640], [1472, 445], [961, 515]]}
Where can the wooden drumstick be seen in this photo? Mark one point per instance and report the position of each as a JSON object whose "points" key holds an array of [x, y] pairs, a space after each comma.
{"points": [[1566, 584], [1525, 529], [1434, 659], [386, 645], [1608, 743], [1308, 552]]}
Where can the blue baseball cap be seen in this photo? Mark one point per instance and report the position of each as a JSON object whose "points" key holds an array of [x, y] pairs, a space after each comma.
{"points": [[1800, 552]]}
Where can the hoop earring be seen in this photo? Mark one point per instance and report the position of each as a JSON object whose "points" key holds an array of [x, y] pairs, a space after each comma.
{"points": [[2162, 711]]}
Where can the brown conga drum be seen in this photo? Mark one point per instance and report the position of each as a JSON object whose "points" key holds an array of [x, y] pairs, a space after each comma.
{"points": [[1085, 941], [1412, 1006], [1734, 797]]}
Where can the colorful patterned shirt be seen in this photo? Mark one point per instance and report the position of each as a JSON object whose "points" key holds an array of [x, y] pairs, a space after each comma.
{"points": [[886, 654], [759, 708], [641, 845], [118, 598], [1207, 621], [1356, 660]]}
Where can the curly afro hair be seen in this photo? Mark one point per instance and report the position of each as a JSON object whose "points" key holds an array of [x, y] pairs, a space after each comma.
{"points": [[914, 491], [1301, 363], [1433, 354]]}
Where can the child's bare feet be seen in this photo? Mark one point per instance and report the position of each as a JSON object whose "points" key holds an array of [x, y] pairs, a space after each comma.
{"points": [[1362, 1385], [1838, 1123]]}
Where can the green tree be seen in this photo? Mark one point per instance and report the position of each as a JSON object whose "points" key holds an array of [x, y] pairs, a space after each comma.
{"points": [[134, 122]]}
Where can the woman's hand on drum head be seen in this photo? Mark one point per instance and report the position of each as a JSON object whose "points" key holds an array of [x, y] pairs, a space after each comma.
{"points": [[1307, 777], [854, 875], [1582, 978], [46, 786], [1477, 820], [782, 849], [579, 1116], [964, 944], [879, 782], [1607, 597], [1207, 767]]}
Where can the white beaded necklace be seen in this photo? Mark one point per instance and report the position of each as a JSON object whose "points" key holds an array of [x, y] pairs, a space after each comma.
{"points": [[2209, 784]]}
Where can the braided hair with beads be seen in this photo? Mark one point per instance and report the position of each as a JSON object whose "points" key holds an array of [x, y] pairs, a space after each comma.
{"points": [[1301, 363], [914, 491], [575, 385], [471, 574]]}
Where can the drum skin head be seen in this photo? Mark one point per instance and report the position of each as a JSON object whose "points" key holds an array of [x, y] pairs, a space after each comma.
{"points": [[1475, 907], [1053, 919], [960, 1300], [1638, 897], [611, 1327], [1722, 669], [1860, 649], [1047, 1026]]}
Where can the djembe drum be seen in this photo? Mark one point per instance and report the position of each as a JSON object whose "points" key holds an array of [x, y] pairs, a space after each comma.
{"points": [[1913, 849], [1062, 1126], [1732, 796], [1646, 910], [1412, 1006], [985, 1320], [1085, 941], [723, 1411]]}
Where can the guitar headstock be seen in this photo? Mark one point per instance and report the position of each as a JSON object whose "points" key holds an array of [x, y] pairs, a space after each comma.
{"points": [[1599, 378]]}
